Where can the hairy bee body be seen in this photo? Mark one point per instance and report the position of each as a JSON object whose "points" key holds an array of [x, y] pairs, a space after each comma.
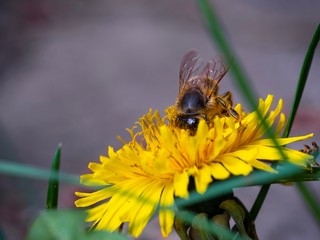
{"points": [[198, 92]]}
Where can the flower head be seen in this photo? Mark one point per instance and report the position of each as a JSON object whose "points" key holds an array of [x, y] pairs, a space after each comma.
{"points": [[155, 166]]}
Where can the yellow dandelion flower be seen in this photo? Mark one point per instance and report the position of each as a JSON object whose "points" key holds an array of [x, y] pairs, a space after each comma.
{"points": [[156, 165]]}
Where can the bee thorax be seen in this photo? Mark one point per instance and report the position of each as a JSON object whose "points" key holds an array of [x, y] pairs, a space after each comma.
{"points": [[192, 101]]}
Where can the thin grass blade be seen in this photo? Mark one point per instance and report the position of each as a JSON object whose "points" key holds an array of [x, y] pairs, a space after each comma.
{"points": [[217, 34], [299, 91], [242, 80], [53, 183], [22, 170], [302, 80]]}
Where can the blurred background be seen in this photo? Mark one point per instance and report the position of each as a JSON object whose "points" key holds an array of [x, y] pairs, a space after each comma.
{"points": [[80, 72]]}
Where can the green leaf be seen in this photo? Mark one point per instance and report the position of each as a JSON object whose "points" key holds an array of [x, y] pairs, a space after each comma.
{"points": [[53, 184], [66, 225], [299, 91]]}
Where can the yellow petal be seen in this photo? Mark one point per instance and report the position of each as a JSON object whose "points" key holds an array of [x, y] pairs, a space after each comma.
{"points": [[246, 154], [297, 157], [220, 142], [96, 213], [267, 104], [180, 183], [273, 114], [90, 180], [272, 153], [235, 166], [192, 151], [88, 199], [168, 138], [122, 203], [145, 208], [281, 123], [111, 154], [280, 141], [202, 130], [203, 178], [218, 171], [166, 213], [262, 166], [95, 166]]}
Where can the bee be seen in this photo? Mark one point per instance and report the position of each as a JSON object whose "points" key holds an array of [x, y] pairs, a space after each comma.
{"points": [[198, 96]]}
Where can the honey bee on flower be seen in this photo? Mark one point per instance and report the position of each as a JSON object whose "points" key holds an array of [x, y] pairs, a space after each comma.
{"points": [[202, 137], [198, 96]]}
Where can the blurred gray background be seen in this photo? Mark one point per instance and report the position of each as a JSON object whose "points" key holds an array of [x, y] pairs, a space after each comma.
{"points": [[81, 72]]}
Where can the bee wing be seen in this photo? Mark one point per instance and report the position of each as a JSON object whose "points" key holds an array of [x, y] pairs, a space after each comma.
{"points": [[191, 65], [194, 70], [215, 70]]}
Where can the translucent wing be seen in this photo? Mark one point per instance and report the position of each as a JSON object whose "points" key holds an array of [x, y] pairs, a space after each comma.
{"points": [[194, 71], [215, 70], [190, 64]]}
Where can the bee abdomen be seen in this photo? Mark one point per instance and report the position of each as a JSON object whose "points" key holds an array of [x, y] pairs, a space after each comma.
{"points": [[187, 122]]}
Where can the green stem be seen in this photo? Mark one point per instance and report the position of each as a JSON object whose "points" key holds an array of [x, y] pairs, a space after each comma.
{"points": [[259, 201]]}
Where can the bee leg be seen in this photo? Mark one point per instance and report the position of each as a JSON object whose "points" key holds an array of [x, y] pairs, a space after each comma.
{"points": [[233, 113], [226, 102], [223, 103], [227, 96]]}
